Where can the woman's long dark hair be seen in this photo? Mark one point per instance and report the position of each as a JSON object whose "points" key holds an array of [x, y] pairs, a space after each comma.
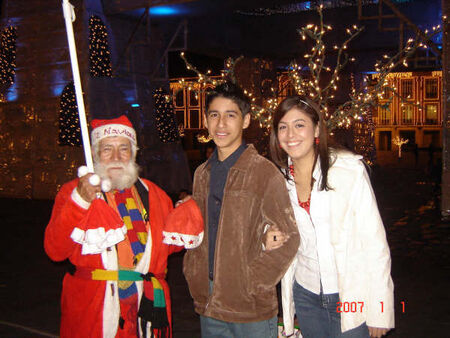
{"points": [[280, 157]]}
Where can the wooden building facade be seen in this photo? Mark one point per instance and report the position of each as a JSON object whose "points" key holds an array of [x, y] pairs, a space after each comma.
{"points": [[415, 115]]}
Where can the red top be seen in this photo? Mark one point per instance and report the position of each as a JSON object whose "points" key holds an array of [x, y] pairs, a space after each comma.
{"points": [[304, 205]]}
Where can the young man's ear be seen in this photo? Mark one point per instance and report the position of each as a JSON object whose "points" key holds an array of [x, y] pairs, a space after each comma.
{"points": [[246, 121]]}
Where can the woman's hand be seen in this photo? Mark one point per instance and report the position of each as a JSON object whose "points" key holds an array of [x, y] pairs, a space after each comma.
{"points": [[274, 238], [377, 332]]}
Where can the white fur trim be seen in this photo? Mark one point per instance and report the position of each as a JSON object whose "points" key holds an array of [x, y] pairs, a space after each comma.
{"points": [[77, 235], [83, 170], [111, 305], [95, 241], [143, 267], [188, 241], [80, 201], [113, 130]]}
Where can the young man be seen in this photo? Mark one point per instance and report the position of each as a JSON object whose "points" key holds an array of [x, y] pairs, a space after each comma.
{"points": [[231, 278]]}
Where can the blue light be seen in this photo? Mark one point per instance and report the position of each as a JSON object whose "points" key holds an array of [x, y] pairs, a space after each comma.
{"points": [[135, 105], [58, 82], [163, 10], [12, 93]]}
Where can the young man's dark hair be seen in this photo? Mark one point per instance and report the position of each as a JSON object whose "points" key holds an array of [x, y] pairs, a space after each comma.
{"points": [[233, 92]]}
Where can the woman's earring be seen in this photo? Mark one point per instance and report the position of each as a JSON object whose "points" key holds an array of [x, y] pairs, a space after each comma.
{"points": [[317, 141], [279, 145]]}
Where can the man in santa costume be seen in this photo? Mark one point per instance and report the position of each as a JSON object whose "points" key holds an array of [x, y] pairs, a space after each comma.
{"points": [[114, 241]]}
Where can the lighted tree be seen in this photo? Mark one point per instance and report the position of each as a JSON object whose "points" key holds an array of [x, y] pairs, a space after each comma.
{"points": [[99, 55], [399, 142], [165, 117], [8, 55], [69, 123]]}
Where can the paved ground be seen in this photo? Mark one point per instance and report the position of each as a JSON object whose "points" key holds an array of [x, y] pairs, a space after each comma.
{"points": [[30, 283]]}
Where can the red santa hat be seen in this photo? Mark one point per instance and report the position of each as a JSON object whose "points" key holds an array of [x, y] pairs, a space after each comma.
{"points": [[184, 226], [120, 126]]}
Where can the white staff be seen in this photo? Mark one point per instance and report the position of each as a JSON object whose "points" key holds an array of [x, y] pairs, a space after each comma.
{"points": [[69, 17]]}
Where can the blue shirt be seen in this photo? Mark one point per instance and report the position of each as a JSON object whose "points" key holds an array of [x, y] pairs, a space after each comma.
{"points": [[218, 178]]}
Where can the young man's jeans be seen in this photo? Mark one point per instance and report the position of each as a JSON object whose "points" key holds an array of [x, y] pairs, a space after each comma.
{"points": [[318, 316], [214, 328]]}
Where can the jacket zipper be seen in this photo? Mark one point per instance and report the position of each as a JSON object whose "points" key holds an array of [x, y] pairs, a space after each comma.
{"points": [[219, 228], [207, 247]]}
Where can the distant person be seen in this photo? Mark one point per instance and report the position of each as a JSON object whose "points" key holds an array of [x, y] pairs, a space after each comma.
{"points": [[416, 154], [240, 193], [436, 178], [339, 284], [117, 286], [431, 150]]}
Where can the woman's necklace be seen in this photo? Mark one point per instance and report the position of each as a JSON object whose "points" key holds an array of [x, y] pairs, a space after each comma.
{"points": [[304, 205]]}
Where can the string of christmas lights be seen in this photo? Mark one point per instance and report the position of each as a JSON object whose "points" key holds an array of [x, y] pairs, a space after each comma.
{"points": [[99, 55], [69, 123], [306, 80], [165, 118], [374, 88], [8, 55]]}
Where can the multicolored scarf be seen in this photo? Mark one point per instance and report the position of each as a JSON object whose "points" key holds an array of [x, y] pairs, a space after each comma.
{"points": [[129, 207], [153, 308], [153, 304]]}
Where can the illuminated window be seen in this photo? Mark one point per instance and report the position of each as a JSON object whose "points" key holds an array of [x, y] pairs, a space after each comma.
{"points": [[385, 140], [179, 98], [409, 135], [431, 137], [431, 113], [431, 88], [387, 92], [193, 98], [384, 116], [194, 119], [180, 117], [407, 114], [407, 88]]}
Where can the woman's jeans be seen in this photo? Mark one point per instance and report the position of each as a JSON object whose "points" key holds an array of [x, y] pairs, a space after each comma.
{"points": [[318, 317]]}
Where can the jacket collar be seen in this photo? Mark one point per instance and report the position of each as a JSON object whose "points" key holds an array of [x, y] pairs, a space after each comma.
{"points": [[241, 163]]}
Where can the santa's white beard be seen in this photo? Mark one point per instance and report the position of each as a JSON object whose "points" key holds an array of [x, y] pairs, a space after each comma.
{"points": [[125, 180]]}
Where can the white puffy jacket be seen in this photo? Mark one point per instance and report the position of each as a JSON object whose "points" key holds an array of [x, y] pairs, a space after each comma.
{"points": [[358, 238]]}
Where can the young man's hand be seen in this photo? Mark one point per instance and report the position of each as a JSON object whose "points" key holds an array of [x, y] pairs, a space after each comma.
{"points": [[185, 199], [274, 238]]}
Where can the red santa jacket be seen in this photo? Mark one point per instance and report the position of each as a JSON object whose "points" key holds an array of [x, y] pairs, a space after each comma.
{"points": [[90, 308]]}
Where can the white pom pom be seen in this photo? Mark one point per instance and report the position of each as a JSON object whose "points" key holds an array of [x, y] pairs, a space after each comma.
{"points": [[106, 185], [94, 179], [83, 170]]}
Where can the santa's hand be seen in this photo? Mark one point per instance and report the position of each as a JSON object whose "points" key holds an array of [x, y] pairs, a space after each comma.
{"points": [[86, 189]]}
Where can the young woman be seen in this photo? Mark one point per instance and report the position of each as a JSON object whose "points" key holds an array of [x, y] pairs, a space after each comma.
{"points": [[339, 284]]}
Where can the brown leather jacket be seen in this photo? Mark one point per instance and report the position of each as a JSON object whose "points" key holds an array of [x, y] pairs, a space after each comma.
{"points": [[245, 275]]}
